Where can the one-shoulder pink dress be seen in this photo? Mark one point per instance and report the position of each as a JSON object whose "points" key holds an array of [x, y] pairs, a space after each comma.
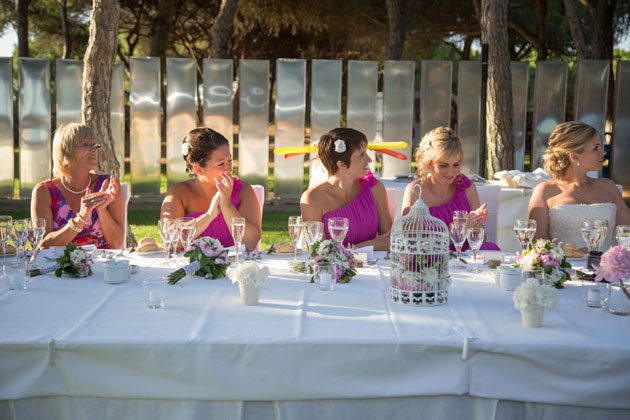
{"points": [[459, 201], [218, 228], [361, 213]]}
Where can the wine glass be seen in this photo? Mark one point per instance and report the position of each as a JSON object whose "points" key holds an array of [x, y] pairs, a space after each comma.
{"points": [[6, 223], [238, 231], [295, 231], [19, 227], [457, 232], [460, 215], [525, 231], [622, 232], [187, 230], [475, 239], [591, 234], [338, 229], [165, 229], [602, 225], [35, 233], [313, 232]]}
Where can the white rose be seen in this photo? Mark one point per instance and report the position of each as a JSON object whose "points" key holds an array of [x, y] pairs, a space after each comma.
{"points": [[77, 256], [250, 273]]}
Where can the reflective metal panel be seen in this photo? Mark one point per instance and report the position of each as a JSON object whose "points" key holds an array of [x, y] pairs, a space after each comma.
{"points": [[290, 108], [398, 113], [435, 95], [253, 148], [181, 113], [468, 113], [620, 170], [325, 97], [591, 91], [144, 129], [362, 93], [218, 76], [117, 108], [550, 96], [34, 122], [6, 126], [69, 89], [520, 79]]}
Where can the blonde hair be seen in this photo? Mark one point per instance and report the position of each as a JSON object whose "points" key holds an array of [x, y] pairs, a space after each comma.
{"points": [[438, 144], [66, 138], [568, 137]]}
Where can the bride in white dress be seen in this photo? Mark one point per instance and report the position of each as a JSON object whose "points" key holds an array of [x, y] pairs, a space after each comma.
{"points": [[561, 205]]}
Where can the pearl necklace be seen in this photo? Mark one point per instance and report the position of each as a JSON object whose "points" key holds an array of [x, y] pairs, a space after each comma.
{"points": [[76, 192]]}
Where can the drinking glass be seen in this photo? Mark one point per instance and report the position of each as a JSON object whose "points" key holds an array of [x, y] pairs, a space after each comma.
{"points": [[602, 225], [19, 228], [6, 223], [525, 231], [457, 232], [622, 232], [35, 233], [166, 227], [295, 231], [187, 230], [325, 277], [154, 292], [460, 215], [313, 232], [475, 239], [15, 274], [338, 228], [591, 235], [238, 230]]}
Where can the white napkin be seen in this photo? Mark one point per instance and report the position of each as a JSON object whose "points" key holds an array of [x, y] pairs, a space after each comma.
{"points": [[516, 179], [232, 250], [364, 253]]}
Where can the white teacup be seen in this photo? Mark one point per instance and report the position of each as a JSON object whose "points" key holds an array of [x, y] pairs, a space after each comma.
{"points": [[116, 271], [508, 277]]}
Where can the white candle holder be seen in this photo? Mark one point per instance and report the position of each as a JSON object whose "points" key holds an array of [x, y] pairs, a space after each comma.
{"points": [[594, 293]]}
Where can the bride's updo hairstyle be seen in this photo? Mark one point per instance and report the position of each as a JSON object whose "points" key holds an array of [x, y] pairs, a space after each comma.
{"points": [[437, 145], [198, 145], [568, 137], [338, 145]]}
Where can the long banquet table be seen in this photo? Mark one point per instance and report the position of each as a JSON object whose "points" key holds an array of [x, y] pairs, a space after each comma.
{"points": [[82, 348]]}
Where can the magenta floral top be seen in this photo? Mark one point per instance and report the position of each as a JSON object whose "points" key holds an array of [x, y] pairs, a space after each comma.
{"points": [[361, 213], [91, 233], [218, 229]]}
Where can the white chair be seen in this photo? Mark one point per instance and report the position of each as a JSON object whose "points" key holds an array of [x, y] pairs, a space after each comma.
{"points": [[259, 190], [124, 187], [392, 198], [491, 195]]}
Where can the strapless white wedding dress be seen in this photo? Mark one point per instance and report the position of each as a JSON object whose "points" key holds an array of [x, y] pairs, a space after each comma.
{"points": [[565, 221]]}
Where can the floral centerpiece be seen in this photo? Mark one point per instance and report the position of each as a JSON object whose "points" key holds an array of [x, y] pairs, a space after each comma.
{"points": [[208, 259], [328, 251], [532, 298], [250, 277], [549, 256], [421, 273], [614, 267], [75, 262]]}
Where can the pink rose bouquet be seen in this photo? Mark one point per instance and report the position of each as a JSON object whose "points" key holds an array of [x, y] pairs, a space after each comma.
{"points": [[614, 267], [208, 259], [549, 256]]}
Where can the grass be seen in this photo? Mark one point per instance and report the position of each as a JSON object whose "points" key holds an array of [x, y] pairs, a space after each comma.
{"points": [[144, 223]]}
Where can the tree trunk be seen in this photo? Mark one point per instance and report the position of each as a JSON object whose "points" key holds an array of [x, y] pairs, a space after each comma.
{"points": [[576, 30], [602, 23], [396, 43], [98, 64], [21, 12], [221, 29], [63, 14], [159, 35], [541, 7], [499, 112]]}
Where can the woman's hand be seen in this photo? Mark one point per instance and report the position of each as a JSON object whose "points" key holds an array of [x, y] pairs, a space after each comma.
{"points": [[477, 218], [214, 208], [110, 188], [91, 201], [225, 183], [381, 242]]}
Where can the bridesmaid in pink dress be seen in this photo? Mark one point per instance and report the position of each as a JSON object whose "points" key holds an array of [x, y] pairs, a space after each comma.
{"points": [[350, 191], [440, 155], [213, 197]]}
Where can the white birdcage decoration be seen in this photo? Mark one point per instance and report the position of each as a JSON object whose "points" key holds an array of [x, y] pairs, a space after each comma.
{"points": [[419, 258]]}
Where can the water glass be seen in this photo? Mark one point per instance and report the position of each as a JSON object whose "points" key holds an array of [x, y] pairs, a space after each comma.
{"points": [[167, 229], [525, 231], [591, 234], [313, 232], [475, 238], [237, 227], [622, 233], [602, 225], [154, 292], [325, 275], [35, 233], [19, 228], [187, 230], [457, 232], [295, 231], [338, 228], [16, 275]]}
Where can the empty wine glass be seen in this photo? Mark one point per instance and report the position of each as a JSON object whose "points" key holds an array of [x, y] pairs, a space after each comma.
{"points": [[457, 232], [475, 239], [525, 231], [6, 223], [19, 229], [602, 225], [622, 233], [166, 227], [338, 228], [313, 232], [187, 230], [238, 231], [35, 233], [295, 231], [591, 234]]}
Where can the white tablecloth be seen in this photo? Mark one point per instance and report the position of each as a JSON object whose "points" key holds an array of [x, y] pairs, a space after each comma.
{"points": [[66, 343]]}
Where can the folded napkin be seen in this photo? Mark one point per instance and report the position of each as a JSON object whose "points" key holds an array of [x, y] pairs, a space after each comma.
{"points": [[364, 253], [232, 250], [518, 179]]}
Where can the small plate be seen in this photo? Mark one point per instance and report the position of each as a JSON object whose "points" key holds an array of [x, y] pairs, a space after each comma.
{"points": [[11, 254], [134, 268], [150, 253]]}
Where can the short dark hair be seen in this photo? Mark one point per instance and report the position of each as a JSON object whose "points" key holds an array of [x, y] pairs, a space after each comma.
{"points": [[353, 140], [201, 142]]}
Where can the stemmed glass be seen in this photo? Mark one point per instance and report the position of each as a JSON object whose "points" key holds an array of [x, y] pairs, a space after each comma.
{"points": [[35, 233], [167, 228], [591, 234], [19, 227], [457, 232], [295, 231], [338, 229], [602, 225], [622, 232], [187, 230], [525, 232], [238, 231], [475, 239], [6, 223], [460, 216], [313, 232]]}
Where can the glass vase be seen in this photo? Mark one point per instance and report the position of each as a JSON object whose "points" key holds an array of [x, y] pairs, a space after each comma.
{"points": [[618, 302]]}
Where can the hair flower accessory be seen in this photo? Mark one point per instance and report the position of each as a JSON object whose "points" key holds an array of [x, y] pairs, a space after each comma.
{"points": [[185, 148], [340, 146], [425, 144]]}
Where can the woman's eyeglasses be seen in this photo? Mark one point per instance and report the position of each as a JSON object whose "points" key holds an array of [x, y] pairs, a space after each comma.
{"points": [[91, 146]]}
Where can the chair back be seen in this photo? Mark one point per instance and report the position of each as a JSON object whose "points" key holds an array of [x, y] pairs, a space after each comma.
{"points": [[259, 190], [392, 198], [491, 195], [124, 187]]}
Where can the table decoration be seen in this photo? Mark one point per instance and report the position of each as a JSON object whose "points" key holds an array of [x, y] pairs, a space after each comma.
{"points": [[75, 262], [614, 268], [207, 259], [549, 256], [331, 252], [532, 298], [250, 278]]}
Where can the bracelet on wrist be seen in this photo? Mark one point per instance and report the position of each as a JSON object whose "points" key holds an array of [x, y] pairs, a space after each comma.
{"points": [[73, 226], [81, 219]]}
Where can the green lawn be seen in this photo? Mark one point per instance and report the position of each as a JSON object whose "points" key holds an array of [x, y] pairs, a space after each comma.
{"points": [[144, 223]]}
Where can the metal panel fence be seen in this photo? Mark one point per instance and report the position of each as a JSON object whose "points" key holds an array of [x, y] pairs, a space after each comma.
{"points": [[6, 127]]}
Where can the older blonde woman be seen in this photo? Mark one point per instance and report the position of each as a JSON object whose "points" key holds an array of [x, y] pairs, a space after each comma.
{"points": [[444, 188], [79, 206], [561, 205]]}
